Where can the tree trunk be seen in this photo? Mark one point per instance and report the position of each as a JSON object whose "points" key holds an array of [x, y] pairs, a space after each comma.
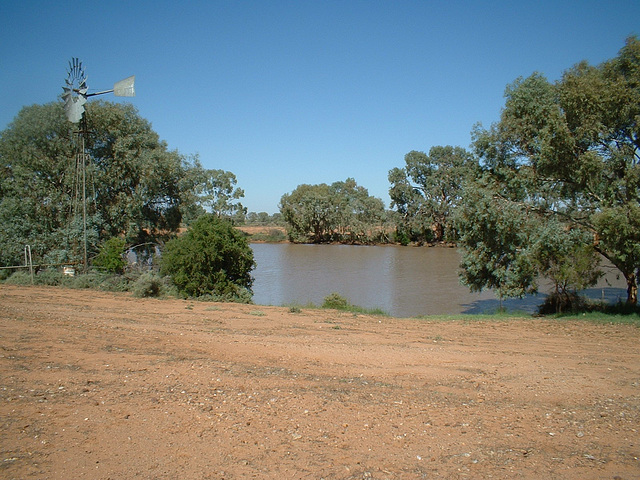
{"points": [[438, 231], [632, 289]]}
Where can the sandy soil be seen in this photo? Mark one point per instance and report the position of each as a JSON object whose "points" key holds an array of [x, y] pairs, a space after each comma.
{"points": [[105, 386]]}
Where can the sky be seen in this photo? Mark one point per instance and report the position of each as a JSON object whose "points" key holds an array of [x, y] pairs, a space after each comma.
{"points": [[283, 93]]}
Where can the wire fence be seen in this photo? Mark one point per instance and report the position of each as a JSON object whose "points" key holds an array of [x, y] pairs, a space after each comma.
{"points": [[28, 263]]}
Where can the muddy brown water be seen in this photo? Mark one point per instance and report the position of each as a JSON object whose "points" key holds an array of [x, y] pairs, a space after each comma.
{"points": [[402, 281]]}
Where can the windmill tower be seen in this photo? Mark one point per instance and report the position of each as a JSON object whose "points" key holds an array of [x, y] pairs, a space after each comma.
{"points": [[75, 95]]}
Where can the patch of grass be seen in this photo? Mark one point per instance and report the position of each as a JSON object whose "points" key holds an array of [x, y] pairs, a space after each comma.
{"points": [[601, 318], [295, 309], [602, 313], [257, 313], [299, 306], [367, 311]]}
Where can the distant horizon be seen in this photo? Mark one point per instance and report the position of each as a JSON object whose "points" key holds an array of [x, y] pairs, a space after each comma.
{"points": [[285, 93]]}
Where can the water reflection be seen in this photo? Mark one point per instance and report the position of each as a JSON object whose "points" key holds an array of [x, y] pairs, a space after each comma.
{"points": [[403, 281]]}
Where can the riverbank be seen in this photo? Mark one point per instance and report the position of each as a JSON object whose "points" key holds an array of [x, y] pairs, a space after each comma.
{"points": [[101, 385]]}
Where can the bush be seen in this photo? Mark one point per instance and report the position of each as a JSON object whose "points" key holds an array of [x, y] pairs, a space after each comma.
{"points": [[402, 237], [211, 258], [20, 277], [51, 277], [567, 302], [232, 294], [115, 283], [86, 280], [111, 258], [336, 301], [148, 285]]}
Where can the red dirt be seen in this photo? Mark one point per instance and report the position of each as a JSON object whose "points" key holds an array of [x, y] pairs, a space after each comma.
{"points": [[107, 386]]}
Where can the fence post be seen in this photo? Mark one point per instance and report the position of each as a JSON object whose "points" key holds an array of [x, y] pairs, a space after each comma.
{"points": [[28, 247]]}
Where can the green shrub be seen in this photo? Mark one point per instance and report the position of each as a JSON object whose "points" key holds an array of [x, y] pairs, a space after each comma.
{"points": [[211, 258], [148, 285], [115, 283], [111, 258], [567, 302], [86, 280], [335, 300], [402, 237], [338, 302], [20, 277], [232, 294], [50, 276]]}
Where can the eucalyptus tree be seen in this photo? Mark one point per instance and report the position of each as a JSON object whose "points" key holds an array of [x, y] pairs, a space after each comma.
{"points": [[567, 152], [359, 216], [136, 187], [310, 213], [428, 188], [342, 212], [217, 192], [36, 180]]}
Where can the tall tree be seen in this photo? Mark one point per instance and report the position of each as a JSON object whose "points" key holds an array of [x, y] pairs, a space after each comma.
{"points": [[358, 215], [218, 193], [342, 211], [136, 187], [310, 213], [428, 188], [36, 185], [571, 150]]}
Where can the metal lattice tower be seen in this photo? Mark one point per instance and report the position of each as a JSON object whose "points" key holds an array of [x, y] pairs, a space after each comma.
{"points": [[75, 95]]}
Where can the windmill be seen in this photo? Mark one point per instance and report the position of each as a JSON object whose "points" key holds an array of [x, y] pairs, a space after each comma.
{"points": [[75, 94]]}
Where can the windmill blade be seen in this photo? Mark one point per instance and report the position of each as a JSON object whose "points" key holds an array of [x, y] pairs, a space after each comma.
{"points": [[74, 111]]}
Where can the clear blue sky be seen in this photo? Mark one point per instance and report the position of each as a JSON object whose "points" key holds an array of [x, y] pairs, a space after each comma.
{"points": [[289, 92]]}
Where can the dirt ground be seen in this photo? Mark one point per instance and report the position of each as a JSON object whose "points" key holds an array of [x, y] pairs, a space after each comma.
{"points": [[107, 386]]}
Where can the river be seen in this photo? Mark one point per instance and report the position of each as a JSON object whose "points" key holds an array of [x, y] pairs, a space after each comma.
{"points": [[402, 281]]}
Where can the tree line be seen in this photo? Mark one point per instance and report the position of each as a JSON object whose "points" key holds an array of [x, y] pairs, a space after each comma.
{"points": [[545, 192]]}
